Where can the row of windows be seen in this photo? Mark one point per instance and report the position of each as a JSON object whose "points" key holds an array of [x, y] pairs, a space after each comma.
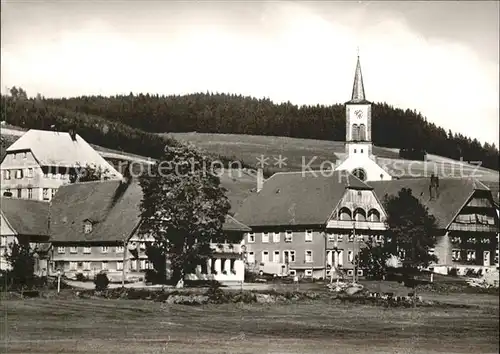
{"points": [[359, 215], [278, 256], [28, 173], [88, 250], [143, 264], [276, 236], [29, 193], [351, 238], [470, 255]]}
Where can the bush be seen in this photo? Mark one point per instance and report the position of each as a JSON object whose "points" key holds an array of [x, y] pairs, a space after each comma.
{"points": [[80, 277], [101, 281], [453, 272], [215, 293]]}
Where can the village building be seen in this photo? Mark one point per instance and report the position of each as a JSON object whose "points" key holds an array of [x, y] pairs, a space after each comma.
{"points": [[40, 161], [304, 223], [360, 160], [94, 227], [25, 221], [467, 220]]}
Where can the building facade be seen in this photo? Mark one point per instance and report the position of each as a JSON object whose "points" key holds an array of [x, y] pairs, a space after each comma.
{"points": [[25, 221], [304, 222], [94, 227], [39, 162]]}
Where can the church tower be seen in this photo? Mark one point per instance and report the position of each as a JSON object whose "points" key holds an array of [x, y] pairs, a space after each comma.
{"points": [[358, 118], [360, 160]]}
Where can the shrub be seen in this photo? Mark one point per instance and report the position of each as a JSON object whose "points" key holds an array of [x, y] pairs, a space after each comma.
{"points": [[453, 272], [80, 277], [101, 281], [215, 293]]}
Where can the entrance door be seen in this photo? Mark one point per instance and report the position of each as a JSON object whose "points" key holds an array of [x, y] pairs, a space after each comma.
{"points": [[486, 258]]}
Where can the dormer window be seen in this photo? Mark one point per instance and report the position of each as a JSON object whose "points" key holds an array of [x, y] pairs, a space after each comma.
{"points": [[87, 227]]}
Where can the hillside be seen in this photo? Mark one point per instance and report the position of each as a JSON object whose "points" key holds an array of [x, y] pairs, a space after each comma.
{"points": [[236, 114]]}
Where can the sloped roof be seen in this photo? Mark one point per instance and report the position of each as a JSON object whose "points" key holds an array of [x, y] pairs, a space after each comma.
{"points": [[114, 216], [231, 224], [453, 194], [58, 149], [296, 198], [27, 217]]}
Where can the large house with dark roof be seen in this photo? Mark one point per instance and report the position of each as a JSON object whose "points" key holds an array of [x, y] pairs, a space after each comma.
{"points": [[466, 217], [305, 221], [25, 221], [94, 227], [40, 161]]}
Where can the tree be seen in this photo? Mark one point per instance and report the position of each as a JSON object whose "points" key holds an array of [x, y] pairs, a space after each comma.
{"points": [[183, 208], [411, 230], [22, 262], [373, 260], [88, 173]]}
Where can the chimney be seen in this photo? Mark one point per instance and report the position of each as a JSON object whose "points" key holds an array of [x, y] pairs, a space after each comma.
{"points": [[72, 134], [260, 179]]}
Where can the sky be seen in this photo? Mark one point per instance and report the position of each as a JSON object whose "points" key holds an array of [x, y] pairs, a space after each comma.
{"points": [[439, 58]]}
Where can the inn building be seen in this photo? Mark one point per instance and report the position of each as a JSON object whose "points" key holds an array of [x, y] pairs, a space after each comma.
{"points": [[41, 161]]}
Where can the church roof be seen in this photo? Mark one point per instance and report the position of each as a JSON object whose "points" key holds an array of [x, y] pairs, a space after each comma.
{"points": [[358, 89], [297, 198]]}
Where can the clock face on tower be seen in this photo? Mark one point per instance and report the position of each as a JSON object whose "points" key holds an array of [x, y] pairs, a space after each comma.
{"points": [[358, 113]]}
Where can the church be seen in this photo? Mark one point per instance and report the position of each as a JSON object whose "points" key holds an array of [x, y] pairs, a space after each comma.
{"points": [[360, 160], [312, 224]]}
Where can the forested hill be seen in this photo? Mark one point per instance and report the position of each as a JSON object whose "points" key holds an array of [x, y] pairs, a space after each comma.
{"points": [[223, 113]]}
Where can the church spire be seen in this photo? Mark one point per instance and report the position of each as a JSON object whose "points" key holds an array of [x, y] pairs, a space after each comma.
{"points": [[358, 89]]}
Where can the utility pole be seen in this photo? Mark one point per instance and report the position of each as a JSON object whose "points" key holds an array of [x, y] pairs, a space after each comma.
{"points": [[123, 267], [354, 251]]}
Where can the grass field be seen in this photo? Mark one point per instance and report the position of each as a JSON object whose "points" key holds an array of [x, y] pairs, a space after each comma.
{"points": [[129, 326]]}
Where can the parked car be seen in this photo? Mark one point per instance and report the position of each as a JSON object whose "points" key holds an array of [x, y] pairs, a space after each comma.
{"points": [[274, 269]]}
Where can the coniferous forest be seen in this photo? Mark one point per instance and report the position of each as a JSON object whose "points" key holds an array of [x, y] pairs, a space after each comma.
{"points": [[126, 122]]}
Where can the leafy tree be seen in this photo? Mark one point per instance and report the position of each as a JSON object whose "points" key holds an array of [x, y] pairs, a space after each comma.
{"points": [[373, 260], [22, 262], [101, 282], [411, 230], [183, 208]]}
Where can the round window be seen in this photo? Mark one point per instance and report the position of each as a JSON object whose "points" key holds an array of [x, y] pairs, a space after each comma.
{"points": [[360, 173]]}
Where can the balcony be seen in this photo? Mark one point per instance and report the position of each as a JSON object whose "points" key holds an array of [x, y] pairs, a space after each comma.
{"points": [[361, 225]]}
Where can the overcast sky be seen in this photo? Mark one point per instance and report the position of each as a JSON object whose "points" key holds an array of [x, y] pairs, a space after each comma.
{"points": [[440, 58]]}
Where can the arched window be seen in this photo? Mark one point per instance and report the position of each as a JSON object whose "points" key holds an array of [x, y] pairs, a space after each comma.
{"points": [[359, 214], [362, 132], [345, 214], [373, 215], [355, 132]]}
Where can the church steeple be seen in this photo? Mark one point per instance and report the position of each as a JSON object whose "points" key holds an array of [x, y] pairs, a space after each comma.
{"points": [[358, 89]]}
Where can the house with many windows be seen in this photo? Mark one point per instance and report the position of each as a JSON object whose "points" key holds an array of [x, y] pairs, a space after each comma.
{"points": [[40, 161], [25, 221], [305, 220], [467, 219], [94, 227]]}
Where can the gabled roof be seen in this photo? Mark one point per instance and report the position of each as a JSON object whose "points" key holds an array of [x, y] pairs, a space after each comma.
{"points": [[358, 88], [27, 217], [113, 209], [52, 148], [453, 194], [296, 198], [114, 216], [231, 224]]}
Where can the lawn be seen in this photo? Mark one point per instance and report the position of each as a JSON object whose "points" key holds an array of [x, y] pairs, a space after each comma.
{"points": [[129, 326]]}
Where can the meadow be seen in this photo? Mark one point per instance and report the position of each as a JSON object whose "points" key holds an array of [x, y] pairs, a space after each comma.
{"points": [[64, 325]]}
